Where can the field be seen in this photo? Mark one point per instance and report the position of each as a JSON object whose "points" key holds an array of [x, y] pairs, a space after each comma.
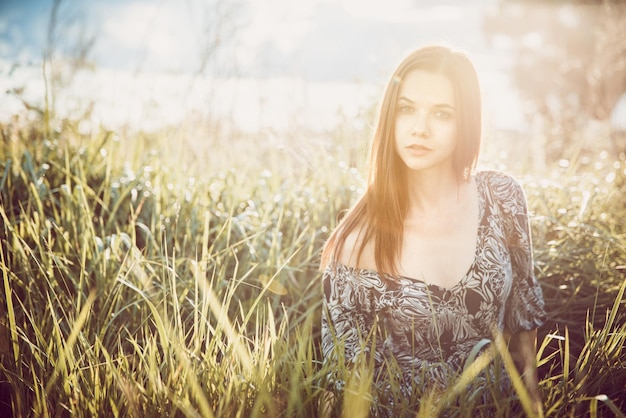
{"points": [[176, 274]]}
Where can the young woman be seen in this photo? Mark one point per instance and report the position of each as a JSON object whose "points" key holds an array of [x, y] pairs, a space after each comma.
{"points": [[434, 257]]}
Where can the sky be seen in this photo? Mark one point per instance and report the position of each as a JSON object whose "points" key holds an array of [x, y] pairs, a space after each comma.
{"points": [[315, 39], [318, 48]]}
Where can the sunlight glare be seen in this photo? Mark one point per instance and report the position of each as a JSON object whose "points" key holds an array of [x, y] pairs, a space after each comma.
{"points": [[532, 40], [401, 11], [568, 17], [281, 22], [161, 36]]}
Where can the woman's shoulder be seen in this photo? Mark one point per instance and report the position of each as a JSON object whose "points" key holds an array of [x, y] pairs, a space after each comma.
{"points": [[495, 176], [350, 253], [504, 190], [501, 184]]}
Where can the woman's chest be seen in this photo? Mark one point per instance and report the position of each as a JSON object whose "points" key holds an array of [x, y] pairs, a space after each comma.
{"points": [[479, 294], [439, 252], [482, 289]]}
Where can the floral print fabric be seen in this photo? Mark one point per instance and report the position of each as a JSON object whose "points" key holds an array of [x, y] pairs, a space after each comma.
{"points": [[428, 330]]}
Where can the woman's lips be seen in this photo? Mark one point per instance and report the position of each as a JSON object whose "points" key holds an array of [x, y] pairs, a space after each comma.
{"points": [[418, 149]]}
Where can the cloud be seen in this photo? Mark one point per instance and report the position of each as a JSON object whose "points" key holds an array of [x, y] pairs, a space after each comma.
{"points": [[159, 36], [282, 23], [164, 36], [397, 11], [21, 35], [355, 40]]}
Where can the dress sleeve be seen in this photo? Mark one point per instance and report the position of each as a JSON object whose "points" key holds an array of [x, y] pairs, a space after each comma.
{"points": [[328, 342], [338, 330], [525, 305]]}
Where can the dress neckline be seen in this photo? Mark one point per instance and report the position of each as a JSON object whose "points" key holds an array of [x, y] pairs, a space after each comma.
{"points": [[480, 189], [367, 271]]}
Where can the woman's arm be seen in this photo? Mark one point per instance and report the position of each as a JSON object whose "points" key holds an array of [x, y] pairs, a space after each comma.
{"points": [[523, 347], [327, 402]]}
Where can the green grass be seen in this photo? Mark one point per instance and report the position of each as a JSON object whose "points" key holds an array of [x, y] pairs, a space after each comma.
{"points": [[177, 276]]}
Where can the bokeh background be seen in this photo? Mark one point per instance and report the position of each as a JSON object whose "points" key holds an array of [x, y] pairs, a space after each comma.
{"points": [[552, 72]]}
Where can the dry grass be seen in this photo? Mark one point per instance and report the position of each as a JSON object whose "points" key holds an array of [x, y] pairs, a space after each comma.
{"points": [[138, 281]]}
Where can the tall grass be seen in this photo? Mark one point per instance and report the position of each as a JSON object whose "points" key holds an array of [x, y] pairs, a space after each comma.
{"points": [[142, 277]]}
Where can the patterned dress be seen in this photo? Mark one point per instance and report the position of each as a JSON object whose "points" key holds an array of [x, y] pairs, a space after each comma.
{"points": [[425, 331]]}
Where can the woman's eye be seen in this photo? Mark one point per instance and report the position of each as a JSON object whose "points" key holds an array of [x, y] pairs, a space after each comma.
{"points": [[405, 109], [441, 114]]}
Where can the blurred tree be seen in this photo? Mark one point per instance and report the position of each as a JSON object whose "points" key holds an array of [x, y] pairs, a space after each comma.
{"points": [[569, 66], [216, 24], [74, 29], [68, 43]]}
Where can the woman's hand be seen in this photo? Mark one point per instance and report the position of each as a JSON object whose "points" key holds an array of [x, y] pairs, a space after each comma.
{"points": [[523, 347], [327, 401]]}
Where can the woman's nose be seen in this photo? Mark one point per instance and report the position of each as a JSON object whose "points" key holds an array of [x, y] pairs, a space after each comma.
{"points": [[420, 126]]}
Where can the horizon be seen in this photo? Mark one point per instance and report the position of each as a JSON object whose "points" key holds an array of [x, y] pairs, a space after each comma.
{"points": [[322, 49]]}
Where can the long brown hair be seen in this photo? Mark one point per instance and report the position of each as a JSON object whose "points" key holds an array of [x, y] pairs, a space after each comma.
{"points": [[380, 212]]}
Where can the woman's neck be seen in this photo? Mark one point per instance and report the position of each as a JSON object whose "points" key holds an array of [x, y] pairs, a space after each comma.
{"points": [[430, 194]]}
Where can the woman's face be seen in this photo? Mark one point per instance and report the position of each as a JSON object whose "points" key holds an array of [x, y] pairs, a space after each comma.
{"points": [[426, 121]]}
